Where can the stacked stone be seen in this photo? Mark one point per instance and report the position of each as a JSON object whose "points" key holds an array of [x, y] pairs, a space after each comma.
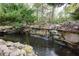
{"points": [[8, 48]]}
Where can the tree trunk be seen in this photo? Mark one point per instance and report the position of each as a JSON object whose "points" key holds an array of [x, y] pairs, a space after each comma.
{"points": [[53, 13], [52, 16], [37, 15], [42, 10]]}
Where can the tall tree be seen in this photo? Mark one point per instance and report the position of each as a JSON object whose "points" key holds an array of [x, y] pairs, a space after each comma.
{"points": [[37, 5], [54, 5]]}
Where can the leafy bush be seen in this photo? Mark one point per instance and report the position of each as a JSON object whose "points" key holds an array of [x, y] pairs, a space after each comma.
{"points": [[16, 14], [75, 15], [60, 20]]}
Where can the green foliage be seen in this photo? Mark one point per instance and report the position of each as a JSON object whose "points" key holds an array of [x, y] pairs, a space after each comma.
{"points": [[72, 7], [75, 15], [37, 5], [60, 20], [73, 10], [16, 14]]}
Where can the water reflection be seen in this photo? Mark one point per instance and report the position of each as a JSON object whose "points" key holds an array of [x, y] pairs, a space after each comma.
{"points": [[43, 46], [44, 51]]}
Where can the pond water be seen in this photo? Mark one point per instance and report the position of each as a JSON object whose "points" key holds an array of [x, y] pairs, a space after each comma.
{"points": [[44, 51], [43, 46]]}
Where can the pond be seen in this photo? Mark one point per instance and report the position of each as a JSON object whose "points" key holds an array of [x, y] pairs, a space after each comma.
{"points": [[43, 46]]}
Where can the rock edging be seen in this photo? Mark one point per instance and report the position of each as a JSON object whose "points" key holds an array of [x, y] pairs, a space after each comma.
{"points": [[8, 48]]}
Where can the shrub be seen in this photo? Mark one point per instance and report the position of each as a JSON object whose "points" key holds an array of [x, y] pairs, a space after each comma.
{"points": [[16, 14]]}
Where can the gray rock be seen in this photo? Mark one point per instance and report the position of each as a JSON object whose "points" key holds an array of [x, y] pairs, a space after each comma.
{"points": [[23, 52], [2, 42], [18, 45], [15, 53], [15, 49], [9, 43], [7, 52], [3, 47]]}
